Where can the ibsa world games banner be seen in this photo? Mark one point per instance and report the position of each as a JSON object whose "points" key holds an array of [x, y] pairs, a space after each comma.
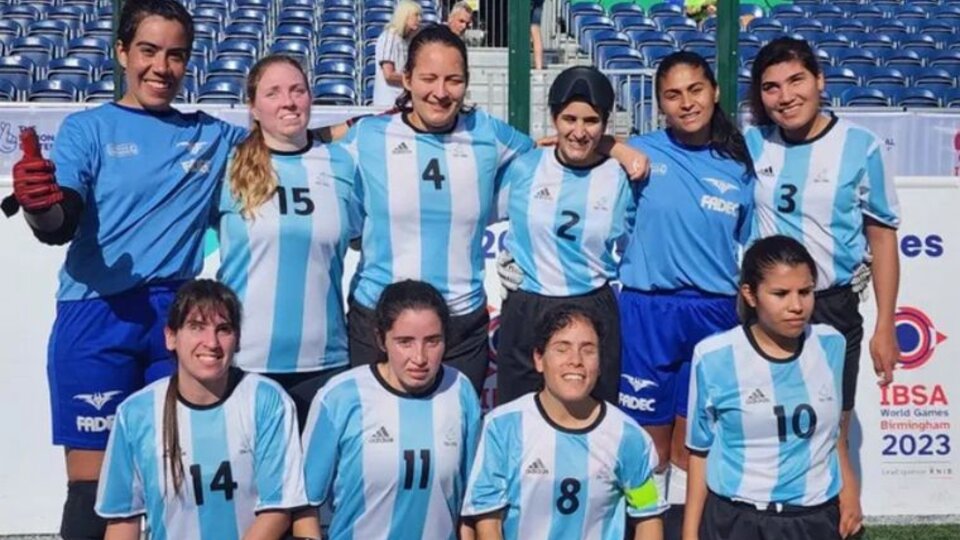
{"points": [[909, 445]]}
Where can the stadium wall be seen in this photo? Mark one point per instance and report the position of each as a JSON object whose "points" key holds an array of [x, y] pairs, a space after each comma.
{"points": [[906, 437]]}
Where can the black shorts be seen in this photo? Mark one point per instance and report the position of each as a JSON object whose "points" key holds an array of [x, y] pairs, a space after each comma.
{"points": [[516, 375], [536, 12], [840, 308], [468, 344], [724, 519], [302, 387]]}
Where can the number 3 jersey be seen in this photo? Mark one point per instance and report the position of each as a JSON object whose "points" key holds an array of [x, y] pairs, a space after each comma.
{"points": [[286, 262], [564, 222], [240, 456], [770, 426], [393, 465], [556, 483]]}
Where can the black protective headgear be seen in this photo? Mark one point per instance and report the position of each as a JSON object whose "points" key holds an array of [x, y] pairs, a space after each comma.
{"points": [[584, 83]]}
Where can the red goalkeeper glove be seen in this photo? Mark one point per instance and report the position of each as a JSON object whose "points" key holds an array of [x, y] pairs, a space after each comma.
{"points": [[34, 184]]}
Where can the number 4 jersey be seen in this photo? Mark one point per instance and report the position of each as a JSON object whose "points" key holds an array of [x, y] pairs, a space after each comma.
{"points": [[240, 456], [556, 483], [770, 425]]}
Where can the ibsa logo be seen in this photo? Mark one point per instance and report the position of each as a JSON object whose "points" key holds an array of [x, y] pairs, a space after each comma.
{"points": [[913, 246], [917, 335]]}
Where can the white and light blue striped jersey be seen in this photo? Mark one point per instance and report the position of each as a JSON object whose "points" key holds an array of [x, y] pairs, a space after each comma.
{"points": [[770, 427], [819, 191], [427, 199], [240, 456], [147, 182], [555, 483], [393, 465], [693, 214], [286, 263], [565, 222]]}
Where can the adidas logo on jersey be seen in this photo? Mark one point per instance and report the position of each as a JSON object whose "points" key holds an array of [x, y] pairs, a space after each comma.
{"points": [[825, 394], [537, 467], [401, 148], [543, 194], [757, 397], [603, 205], [380, 436], [766, 171]]}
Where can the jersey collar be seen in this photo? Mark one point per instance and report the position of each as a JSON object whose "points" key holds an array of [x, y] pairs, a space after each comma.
{"points": [[558, 427], [411, 395], [756, 347], [405, 116], [234, 376], [298, 152], [822, 134]]}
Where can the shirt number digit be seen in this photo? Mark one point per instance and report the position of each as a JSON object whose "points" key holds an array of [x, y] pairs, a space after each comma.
{"points": [[787, 202], [302, 203], [568, 502], [563, 231], [796, 421], [409, 462], [432, 174], [222, 481]]}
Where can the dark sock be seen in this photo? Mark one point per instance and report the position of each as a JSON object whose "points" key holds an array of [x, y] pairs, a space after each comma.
{"points": [[80, 522]]}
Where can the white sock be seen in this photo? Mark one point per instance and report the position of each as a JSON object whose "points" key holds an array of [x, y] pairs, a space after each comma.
{"points": [[677, 487], [660, 480]]}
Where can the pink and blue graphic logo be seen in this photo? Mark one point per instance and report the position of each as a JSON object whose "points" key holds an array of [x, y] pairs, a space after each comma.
{"points": [[917, 335]]}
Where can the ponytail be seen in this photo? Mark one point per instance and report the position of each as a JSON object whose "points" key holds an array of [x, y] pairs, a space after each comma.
{"points": [[252, 178], [172, 462]]}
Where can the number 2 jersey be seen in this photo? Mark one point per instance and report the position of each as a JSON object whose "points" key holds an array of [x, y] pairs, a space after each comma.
{"points": [[393, 465], [286, 262], [770, 426], [565, 221], [555, 483], [240, 456], [427, 199], [819, 191]]}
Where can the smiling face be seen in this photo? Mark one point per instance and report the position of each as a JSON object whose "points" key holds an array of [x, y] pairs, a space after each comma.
{"points": [[687, 100], [155, 63], [570, 362], [204, 346], [783, 300], [281, 104], [437, 86], [414, 345], [579, 130], [791, 96]]}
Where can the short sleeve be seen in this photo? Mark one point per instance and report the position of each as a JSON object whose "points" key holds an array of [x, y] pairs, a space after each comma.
{"points": [[878, 194], [234, 134], [489, 476], [470, 405], [504, 184], [700, 420], [278, 460], [637, 461], [754, 139], [510, 142], [344, 170], [75, 156], [321, 448], [120, 493]]}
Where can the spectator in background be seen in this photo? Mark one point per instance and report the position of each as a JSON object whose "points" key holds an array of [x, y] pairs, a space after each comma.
{"points": [[391, 52], [536, 14], [460, 17]]}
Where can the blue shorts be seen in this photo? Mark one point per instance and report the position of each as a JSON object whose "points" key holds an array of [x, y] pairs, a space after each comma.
{"points": [[102, 350], [658, 333], [536, 12]]}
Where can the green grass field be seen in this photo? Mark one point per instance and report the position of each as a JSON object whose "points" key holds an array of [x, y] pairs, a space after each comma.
{"points": [[913, 532]]}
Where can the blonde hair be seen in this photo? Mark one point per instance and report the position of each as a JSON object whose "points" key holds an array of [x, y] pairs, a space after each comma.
{"points": [[403, 11], [252, 178]]}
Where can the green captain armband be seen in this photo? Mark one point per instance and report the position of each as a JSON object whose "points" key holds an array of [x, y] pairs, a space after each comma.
{"points": [[643, 497]]}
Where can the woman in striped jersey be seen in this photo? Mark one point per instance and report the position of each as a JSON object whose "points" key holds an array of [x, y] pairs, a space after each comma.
{"points": [[388, 445], [559, 463], [209, 452], [284, 220], [567, 208], [822, 181], [765, 408], [426, 178]]}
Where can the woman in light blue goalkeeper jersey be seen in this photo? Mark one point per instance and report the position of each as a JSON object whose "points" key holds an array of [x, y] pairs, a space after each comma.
{"points": [[209, 452], [559, 464], [284, 220], [765, 407], [388, 445], [426, 177], [822, 181]]}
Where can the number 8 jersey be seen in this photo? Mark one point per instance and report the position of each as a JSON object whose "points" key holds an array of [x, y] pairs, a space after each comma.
{"points": [[770, 426], [557, 483], [240, 456]]}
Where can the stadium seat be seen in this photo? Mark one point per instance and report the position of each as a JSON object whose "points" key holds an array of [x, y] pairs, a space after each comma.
{"points": [[848, 26], [930, 77], [294, 49], [867, 13], [206, 32], [233, 69], [105, 69], [635, 90], [22, 15], [333, 32], [914, 97], [607, 52], [665, 9], [334, 93], [743, 76], [72, 15], [212, 17], [39, 49], [238, 48], [950, 98], [608, 37], [940, 31], [220, 92], [855, 56], [873, 40], [647, 37], [53, 91], [624, 8], [787, 11], [99, 92], [945, 59], [92, 49], [8, 92], [912, 15], [945, 12], [633, 61], [338, 17], [635, 22], [831, 39], [78, 71], [766, 36], [294, 32], [333, 70], [838, 77], [918, 41], [804, 24], [9, 31], [695, 39], [903, 58], [337, 50], [57, 30], [827, 10], [652, 54], [255, 17], [375, 16], [668, 24], [244, 30], [587, 20], [708, 53], [881, 75], [863, 97], [766, 23]]}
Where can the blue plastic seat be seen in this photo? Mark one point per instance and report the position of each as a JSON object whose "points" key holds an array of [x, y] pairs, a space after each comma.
{"points": [[839, 76], [631, 61], [337, 50], [294, 49], [950, 98], [882, 76], [293, 32], [53, 90], [787, 11], [212, 17], [909, 13], [946, 12], [930, 77], [248, 16], [803, 24], [653, 54], [335, 32], [863, 97], [99, 92], [918, 41], [665, 9], [867, 13], [234, 69], [244, 30], [695, 39], [847, 26], [39, 49], [338, 17], [677, 23], [606, 52], [766, 23], [18, 70], [855, 56], [914, 97], [220, 91], [827, 10], [872, 40], [297, 16], [237, 48], [945, 59], [8, 92], [903, 58], [334, 93], [647, 37], [333, 70], [57, 30], [79, 71]]}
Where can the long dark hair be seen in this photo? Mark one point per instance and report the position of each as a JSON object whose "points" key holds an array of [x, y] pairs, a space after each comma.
{"points": [[409, 294], [784, 49], [438, 33], [210, 297], [725, 139], [135, 11], [763, 255]]}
